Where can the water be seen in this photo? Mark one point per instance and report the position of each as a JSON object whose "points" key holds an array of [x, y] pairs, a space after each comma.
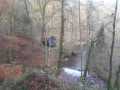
{"points": [[72, 71], [73, 75]]}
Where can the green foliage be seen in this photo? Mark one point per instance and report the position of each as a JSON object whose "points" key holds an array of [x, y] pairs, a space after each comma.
{"points": [[22, 87], [8, 83]]}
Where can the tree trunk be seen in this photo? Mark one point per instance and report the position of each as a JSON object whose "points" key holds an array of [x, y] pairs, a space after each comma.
{"points": [[8, 33], [90, 42], [112, 49], [14, 14], [30, 21], [43, 20], [80, 36], [61, 38], [88, 60], [116, 86]]}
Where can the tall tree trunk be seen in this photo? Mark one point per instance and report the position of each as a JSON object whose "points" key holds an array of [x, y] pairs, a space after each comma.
{"points": [[88, 19], [43, 25], [26, 8], [2, 7], [46, 52], [89, 38], [61, 37], [43, 18], [42, 5], [117, 85], [91, 20], [80, 35], [30, 21], [112, 49], [51, 30], [8, 33], [88, 60], [14, 15], [72, 37]]}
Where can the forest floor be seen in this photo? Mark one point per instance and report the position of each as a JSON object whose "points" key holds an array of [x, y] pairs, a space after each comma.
{"points": [[19, 63], [21, 54], [24, 59]]}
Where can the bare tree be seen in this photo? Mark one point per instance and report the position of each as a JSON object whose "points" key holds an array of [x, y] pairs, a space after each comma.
{"points": [[2, 7], [89, 38], [80, 35], [112, 48], [42, 5], [61, 37], [29, 20], [117, 84]]}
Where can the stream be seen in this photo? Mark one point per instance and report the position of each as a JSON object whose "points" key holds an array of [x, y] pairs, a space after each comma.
{"points": [[71, 71]]}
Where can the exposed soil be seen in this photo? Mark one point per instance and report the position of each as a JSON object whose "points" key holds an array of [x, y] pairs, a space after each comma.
{"points": [[21, 53]]}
